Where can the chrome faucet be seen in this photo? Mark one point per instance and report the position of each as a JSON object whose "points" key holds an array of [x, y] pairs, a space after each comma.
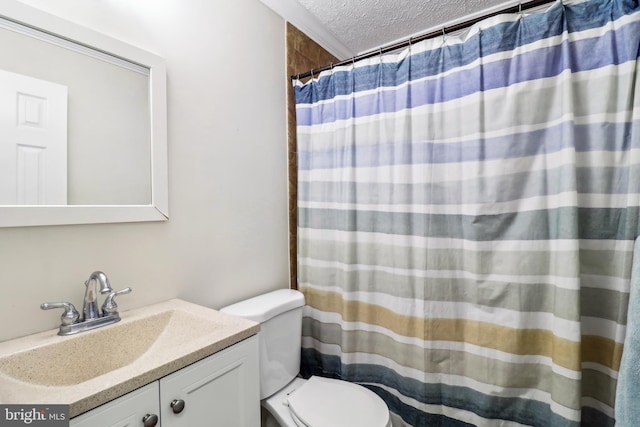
{"points": [[71, 323], [90, 304]]}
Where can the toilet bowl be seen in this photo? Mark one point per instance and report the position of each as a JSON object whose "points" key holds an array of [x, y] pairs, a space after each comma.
{"points": [[326, 402], [291, 401]]}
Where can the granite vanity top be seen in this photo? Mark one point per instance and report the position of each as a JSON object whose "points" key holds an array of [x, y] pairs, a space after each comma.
{"points": [[94, 367]]}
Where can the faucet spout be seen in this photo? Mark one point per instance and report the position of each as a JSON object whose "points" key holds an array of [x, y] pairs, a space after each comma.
{"points": [[90, 308], [92, 318]]}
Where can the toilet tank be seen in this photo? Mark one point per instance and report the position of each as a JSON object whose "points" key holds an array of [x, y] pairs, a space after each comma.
{"points": [[280, 316]]}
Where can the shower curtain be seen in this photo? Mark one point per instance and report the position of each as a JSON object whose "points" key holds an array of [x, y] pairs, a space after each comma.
{"points": [[466, 215]]}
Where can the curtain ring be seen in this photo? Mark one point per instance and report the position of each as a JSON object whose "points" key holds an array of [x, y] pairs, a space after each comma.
{"points": [[443, 36], [312, 74], [520, 15]]}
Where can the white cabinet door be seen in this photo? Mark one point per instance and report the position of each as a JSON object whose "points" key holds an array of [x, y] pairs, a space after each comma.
{"points": [[220, 391], [126, 411]]}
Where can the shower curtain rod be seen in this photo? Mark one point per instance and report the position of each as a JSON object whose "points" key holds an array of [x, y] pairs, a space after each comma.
{"points": [[455, 27]]}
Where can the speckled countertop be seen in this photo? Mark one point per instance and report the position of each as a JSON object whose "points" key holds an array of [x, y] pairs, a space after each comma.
{"points": [[94, 367]]}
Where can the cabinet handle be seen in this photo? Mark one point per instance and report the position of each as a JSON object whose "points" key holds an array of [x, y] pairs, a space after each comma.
{"points": [[150, 420], [177, 405]]}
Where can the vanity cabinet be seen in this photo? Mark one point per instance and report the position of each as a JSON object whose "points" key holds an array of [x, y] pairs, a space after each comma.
{"points": [[220, 390]]}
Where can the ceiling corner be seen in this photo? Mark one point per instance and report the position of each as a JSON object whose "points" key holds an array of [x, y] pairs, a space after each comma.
{"points": [[301, 18]]}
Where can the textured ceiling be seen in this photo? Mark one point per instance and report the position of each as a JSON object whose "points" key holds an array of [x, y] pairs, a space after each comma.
{"points": [[364, 25]]}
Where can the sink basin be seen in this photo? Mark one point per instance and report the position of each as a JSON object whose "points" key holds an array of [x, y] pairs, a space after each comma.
{"points": [[97, 352], [91, 354], [96, 366]]}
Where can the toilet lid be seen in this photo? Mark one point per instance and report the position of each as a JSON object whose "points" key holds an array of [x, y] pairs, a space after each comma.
{"points": [[325, 402]]}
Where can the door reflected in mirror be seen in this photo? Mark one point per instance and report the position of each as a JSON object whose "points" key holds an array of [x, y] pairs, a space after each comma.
{"points": [[74, 123], [33, 142]]}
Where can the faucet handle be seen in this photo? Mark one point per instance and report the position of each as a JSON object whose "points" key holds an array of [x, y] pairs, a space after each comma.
{"points": [[110, 307], [70, 314]]}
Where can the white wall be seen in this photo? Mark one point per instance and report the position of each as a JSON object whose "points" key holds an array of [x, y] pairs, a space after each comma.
{"points": [[227, 234]]}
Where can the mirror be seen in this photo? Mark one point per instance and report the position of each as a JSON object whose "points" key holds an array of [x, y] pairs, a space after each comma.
{"points": [[82, 124]]}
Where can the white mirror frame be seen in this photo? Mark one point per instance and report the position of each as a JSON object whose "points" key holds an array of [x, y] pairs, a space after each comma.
{"points": [[22, 216]]}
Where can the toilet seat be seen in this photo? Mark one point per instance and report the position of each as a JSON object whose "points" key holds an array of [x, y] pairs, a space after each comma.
{"points": [[325, 402]]}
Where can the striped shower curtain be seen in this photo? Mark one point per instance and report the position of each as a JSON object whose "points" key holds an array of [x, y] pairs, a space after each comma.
{"points": [[466, 216]]}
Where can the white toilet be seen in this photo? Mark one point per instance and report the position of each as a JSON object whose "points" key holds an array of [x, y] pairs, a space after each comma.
{"points": [[295, 402]]}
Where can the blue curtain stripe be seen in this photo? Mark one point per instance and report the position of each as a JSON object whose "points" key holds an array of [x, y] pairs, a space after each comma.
{"points": [[502, 37], [588, 137], [539, 64]]}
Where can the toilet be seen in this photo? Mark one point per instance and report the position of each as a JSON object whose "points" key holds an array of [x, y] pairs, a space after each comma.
{"points": [[291, 401]]}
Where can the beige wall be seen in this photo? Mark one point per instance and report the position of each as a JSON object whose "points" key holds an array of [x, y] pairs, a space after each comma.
{"points": [[227, 234]]}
